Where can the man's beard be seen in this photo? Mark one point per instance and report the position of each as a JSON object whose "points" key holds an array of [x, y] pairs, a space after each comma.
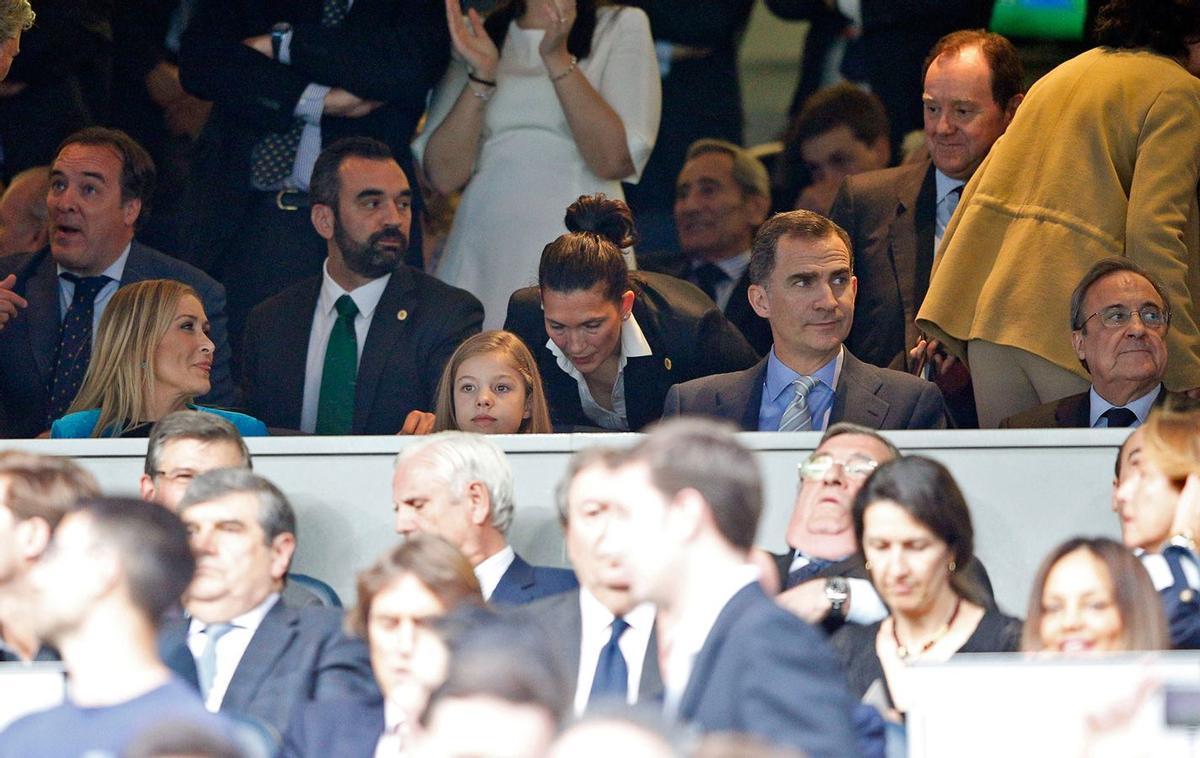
{"points": [[370, 259]]}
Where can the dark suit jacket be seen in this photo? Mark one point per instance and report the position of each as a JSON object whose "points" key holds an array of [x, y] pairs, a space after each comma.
{"points": [[755, 328], [874, 397], [688, 334], [1071, 412], [559, 617], [345, 727], [29, 342], [393, 51], [891, 218], [294, 656], [766, 673], [402, 359], [523, 583]]}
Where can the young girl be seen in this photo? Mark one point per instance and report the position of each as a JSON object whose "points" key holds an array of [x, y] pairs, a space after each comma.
{"points": [[491, 385]]}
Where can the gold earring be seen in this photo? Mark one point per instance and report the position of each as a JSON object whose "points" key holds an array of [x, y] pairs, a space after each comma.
{"points": [[953, 566], [867, 565]]}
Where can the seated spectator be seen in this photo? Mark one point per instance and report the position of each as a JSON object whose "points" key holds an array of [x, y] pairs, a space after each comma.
{"points": [[1093, 595], [802, 282], [610, 343], [492, 385], [915, 534], [183, 445], [23, 216], [15, 17], [398, 596], [249, 653], [153, 356], [1119, 322], [1156, 495], [686, 503], [51, 301], [840, 131], [722, 195], [359, 348], [36, 491], [113, 569], [458, 486], [822, 575]]}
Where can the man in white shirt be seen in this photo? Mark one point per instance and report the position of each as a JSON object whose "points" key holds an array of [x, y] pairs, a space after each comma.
{"points": [[604, 639], [686, 506], [459, 486], [248, 652]]}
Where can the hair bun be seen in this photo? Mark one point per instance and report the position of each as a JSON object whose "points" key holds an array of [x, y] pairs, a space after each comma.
{"points": [[610, 219]]}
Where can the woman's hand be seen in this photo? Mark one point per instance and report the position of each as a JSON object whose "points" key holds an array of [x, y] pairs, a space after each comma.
{"points": [[558, 17], [472, 42], [417, 423]]}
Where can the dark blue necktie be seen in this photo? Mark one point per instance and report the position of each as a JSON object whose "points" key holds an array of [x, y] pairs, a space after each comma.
{"points": [[804, 573], [612, 675], [1120, 418], [75, 344]]}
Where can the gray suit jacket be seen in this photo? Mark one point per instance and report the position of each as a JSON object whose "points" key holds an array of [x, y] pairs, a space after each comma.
{"points": [[874, 397], [559, 617], [29, 342], [1071, 412], [295, 655]]}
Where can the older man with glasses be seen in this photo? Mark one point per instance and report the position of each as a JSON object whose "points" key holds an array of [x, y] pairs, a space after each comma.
{"points": [[1119, 321], [822, 575]]}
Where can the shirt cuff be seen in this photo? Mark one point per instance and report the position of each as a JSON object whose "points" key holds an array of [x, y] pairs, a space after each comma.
{"points": [[285, 48], [311, 104], [851, 9], [865, 605]]}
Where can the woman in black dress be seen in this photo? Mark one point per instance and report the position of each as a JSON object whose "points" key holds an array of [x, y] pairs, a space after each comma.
{"points": [[914, 531]]}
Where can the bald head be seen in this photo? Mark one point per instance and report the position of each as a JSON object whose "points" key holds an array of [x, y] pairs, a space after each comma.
{"points": [[23, 212]]}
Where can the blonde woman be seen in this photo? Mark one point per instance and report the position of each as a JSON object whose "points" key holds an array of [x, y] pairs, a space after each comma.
{"points": [[491, 385], [15, 17], [152, 356]]}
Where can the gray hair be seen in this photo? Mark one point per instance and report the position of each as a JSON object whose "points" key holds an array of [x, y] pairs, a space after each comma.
{"points": [[849, 427], [192, 425], [459, 458], [15, 17], [1098, 271], [748, 171], [610, 458], [275, 514]]}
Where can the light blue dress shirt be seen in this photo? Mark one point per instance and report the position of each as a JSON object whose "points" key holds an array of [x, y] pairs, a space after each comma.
{"points": [[778, 392]]}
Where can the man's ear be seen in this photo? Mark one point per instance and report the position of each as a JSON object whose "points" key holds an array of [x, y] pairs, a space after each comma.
{"points": [[479, 501], [146, 488], [758, 207], [757, 295], [33, 535], [882, 148], [130, 210], [1010, 109], [322, 220], [1077, 343], [283, 547]]}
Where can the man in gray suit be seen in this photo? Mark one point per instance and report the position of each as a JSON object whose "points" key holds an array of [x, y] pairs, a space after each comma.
{"points": [[249, 652], [802, 282], [604, 639]]}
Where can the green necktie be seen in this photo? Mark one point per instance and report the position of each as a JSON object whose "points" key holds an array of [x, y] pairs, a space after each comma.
{"points": [[335, 409]]}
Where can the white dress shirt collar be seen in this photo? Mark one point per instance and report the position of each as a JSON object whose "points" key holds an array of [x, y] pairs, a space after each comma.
{"points": [[491, 570]]}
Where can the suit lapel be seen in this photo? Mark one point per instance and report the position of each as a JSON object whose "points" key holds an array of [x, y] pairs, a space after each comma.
{"points": [[175, 652], [856, 399], [1073, 411], [702, 665], [515, 583], [925, 224], [650, 686], [270, 642], [42, 319], [384, 336], [290, 362], [642, 379], [744, 397], [569, 633]]}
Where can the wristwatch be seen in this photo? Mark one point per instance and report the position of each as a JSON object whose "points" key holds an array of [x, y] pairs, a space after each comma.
{"points": [[277, 33], [837, 592]]}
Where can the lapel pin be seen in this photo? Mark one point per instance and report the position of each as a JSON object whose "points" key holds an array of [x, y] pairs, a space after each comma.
{"points": [[667, 363], [401, 314]]}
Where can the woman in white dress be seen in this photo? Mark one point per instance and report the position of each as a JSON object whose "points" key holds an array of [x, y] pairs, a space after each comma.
{"points": [[546, 101]]}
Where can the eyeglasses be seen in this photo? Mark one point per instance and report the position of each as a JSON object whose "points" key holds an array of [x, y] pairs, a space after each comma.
{"points": [[1117, 316], [856, 467]]}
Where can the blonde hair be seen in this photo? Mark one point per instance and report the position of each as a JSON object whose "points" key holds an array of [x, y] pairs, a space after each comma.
{"points": [[15, 17], [518, 357], [1172, 440], [120, 377]]}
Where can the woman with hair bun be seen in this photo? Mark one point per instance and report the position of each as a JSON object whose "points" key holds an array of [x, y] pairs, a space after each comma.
{"points": [[610, 342]]}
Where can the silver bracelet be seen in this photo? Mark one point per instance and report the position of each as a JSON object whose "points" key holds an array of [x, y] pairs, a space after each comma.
{"points": [[485, 94], [565, 74]]}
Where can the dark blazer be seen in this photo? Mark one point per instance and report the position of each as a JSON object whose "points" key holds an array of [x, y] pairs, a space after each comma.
{"points": [[560, 618], [1071, 412], [891, 218], [523, 583], [29, 342], [393, 51], [688, 334], [874, 397], [345, 727], [765, 673], [1180, 602], [755, 328], [417, 325], [294, 656]]}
